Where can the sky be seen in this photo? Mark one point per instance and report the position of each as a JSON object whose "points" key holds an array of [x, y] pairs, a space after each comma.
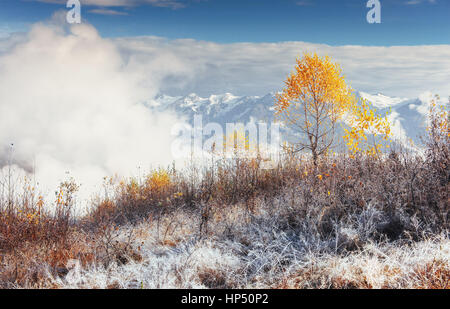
{"points": [[247, 47], [343, 22]]}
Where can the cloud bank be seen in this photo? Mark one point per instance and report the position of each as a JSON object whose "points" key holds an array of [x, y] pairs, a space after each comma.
{"points": [[258, 68]]}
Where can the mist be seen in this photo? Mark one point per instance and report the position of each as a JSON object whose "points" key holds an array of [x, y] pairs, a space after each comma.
{"points": [[71, 106]]}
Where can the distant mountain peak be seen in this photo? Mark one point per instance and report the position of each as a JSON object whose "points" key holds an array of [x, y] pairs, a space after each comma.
{"points": [[380, 100]]}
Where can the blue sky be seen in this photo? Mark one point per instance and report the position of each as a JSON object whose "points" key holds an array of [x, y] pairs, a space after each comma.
{"points": [[343, 22]]}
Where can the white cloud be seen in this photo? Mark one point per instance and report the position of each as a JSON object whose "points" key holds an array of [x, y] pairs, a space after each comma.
{"points": [[174, 4], [415, 2], [69, 101], [107, 12], [5, 31]]}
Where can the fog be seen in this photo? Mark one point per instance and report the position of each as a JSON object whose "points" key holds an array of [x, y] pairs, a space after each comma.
{"points": [[71, 107]]}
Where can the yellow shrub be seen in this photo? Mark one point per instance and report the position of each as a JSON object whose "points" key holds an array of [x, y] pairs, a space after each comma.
{"points": [[158, 181], [364, 120]]}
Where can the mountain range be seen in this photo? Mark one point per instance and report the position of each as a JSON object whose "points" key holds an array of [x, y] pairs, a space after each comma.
{"points": [[407, 116]]}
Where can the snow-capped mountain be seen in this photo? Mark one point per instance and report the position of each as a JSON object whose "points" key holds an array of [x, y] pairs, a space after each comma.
{"points": [[407, 116], [222, 109]]}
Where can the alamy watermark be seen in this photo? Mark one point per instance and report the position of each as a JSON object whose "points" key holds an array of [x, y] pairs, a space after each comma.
{"points": [[251, 140], [74, 14], [374, 15]]}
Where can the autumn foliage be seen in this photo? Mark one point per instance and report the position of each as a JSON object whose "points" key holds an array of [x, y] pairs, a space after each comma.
{"points": [[364, 121]]}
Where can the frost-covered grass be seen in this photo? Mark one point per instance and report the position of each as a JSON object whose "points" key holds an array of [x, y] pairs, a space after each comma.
{"points": [[266, 258]]}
